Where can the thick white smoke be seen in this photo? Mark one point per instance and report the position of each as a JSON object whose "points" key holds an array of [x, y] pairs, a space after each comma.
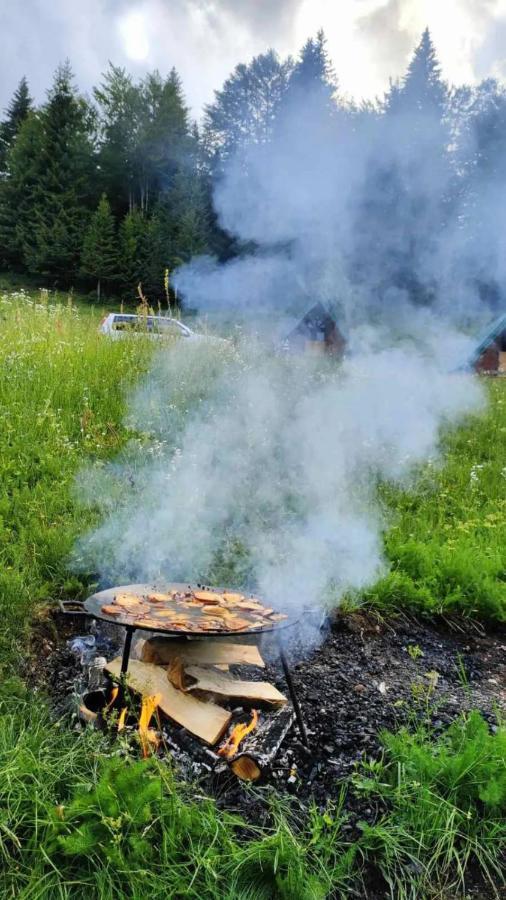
{"points": [[261, 469]]}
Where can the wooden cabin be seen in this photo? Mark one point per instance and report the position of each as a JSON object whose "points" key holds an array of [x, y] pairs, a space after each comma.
{"points": [[489, 357], [317, 332]]}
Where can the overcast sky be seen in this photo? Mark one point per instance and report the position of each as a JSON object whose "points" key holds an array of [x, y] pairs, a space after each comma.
{"points": [[368, 40]]}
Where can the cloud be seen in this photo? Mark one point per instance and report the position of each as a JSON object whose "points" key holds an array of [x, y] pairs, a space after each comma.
{"points": [[369, 40]]}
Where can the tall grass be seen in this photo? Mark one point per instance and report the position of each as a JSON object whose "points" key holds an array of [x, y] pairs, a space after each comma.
{"points": [[62, 390]]}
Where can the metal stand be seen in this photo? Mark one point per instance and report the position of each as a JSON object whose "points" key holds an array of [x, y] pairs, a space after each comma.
{"points": [[126, 649], [293, 694]]}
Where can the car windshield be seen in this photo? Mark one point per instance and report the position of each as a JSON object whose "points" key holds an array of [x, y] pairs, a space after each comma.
{"points": [[149, 324]]}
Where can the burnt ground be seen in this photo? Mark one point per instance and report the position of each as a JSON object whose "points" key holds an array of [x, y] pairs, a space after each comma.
{"points": [[361, 679]]}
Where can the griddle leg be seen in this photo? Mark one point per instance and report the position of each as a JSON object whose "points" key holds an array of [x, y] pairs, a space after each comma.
{"points": [[126, 650], [293, 695]]}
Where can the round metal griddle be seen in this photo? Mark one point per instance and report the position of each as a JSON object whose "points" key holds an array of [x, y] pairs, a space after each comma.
{"points": [[93, 605]]}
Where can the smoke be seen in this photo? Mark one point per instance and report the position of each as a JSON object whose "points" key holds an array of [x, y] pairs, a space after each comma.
{"points": [[262, 469], [257, 468]]}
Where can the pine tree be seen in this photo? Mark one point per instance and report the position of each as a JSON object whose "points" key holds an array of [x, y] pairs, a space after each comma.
{"points": [[119, 102], [99, 256], [52, 236], [134, 245], [405, 202], [312, 90], [17, 191], [17, 111], [422, 90]]}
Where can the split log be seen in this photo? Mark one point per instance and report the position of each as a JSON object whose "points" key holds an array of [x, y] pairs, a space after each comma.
{"points": [[260, 747], [206, 720], [162, 651], [215, 682]]}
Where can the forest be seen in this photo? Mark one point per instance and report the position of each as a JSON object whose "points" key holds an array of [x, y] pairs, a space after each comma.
{"points": [[109, 191]]}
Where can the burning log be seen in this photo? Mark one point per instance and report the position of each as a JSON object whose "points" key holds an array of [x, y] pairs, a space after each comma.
{"points": [[206, 720], [163, 650], [260, 746]]}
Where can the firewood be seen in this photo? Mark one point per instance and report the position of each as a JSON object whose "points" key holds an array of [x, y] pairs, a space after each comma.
{"points": [[216, 682], [260, 747], [206, 720], [162, 650]]}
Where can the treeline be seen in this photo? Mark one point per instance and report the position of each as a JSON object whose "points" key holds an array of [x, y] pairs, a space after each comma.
{"points": [[110, 193], [115, 190]]}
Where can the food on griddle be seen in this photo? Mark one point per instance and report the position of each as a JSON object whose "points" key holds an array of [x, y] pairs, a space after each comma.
{"points": [[128, 601], [218, 611], [158, 598], [208, 596], [193, 611], [231, 597]]}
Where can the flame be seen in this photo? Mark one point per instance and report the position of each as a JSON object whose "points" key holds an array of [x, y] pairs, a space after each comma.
{"points": [[114, 694], [147, 735], [121, 719], [231, 745]]}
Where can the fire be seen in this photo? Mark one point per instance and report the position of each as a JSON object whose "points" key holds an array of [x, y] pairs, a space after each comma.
{"points": [[114, 695], [231, 745], [122, 718], [147, 735]]}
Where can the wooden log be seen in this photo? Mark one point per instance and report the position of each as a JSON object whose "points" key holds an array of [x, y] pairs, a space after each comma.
{"points": [[260, 747], [206, 720], [220, 683], [162, 650]]}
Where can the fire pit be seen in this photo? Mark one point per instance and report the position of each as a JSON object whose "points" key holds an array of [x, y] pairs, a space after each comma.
{"points": [[188, 621]]}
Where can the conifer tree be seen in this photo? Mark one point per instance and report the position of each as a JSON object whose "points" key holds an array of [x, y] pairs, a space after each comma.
{"points": [[99, 256], [405, 202], [52, 237], [18, 189], [17, 111], [134, 243]]}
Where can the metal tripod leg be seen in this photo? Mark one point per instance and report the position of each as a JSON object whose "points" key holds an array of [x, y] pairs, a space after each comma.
{"points": [[293, 694], [126, 649]]}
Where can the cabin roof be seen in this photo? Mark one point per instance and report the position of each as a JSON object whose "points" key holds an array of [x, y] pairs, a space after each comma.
{"points": [[494, 330]]}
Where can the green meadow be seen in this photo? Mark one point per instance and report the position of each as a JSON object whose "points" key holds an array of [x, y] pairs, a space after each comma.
{"points": [[79, 820]]}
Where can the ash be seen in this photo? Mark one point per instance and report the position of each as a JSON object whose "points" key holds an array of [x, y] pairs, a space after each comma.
{"points": [[364, 677]]}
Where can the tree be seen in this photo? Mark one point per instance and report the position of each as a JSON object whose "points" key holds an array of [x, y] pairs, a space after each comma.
{"points": [[17, 111], [63, 188], [99, 256], [17, 191], [164, 137], [404, 205], [179, 229], [134, 244], [144, 134], [119, 102], [244, 110]]}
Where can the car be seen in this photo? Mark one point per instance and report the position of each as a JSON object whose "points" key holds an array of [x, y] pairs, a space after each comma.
{"points": [[120, 325]]}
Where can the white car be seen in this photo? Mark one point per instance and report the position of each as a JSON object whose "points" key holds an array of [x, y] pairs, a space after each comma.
{"points": [[120, 325]]}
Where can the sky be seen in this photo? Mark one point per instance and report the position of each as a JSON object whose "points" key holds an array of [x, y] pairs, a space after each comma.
{"points": [[369, 41]]}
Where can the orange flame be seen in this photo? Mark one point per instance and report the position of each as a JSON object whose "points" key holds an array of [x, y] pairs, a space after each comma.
{"points": [[114, 694], [147, 735], [231, 745], [121, 719]]}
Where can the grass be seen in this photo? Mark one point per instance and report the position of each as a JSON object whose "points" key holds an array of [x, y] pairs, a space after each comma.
{"points": [[446, 544], [446, 802], [62, 392], [76, 821]]}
